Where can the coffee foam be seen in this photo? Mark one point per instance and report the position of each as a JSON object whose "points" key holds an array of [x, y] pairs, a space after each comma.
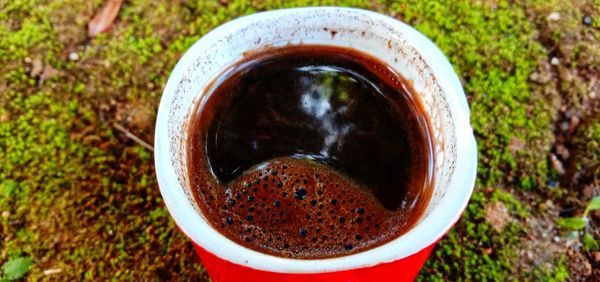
{"points": [[302, 209]]}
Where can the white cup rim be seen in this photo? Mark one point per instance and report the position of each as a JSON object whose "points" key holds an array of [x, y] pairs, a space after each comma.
{"points": [[424, 234]]}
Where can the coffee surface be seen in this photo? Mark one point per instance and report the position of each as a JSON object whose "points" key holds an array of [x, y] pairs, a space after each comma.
{"points": [[310, 152]]}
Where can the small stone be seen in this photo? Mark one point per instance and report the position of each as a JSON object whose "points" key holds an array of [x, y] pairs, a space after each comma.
{"points": [[542, 207], [556, 239], [595, 256], [587, 191], [586, 268], [554, 16], [592, 95], [27, 60], [573, 123], [73, 56], [5, 214], [564, 126], [557, 164], [4, 117], [587, 21], [497, 215], [562, 151], [562, 108], [554, 61]]}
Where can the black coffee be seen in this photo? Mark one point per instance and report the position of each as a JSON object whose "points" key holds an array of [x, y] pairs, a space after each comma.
{"points": [[310, 152]]}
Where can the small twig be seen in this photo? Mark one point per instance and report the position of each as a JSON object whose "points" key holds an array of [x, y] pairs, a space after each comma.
{"points": [[133, 137], [52, 271]]}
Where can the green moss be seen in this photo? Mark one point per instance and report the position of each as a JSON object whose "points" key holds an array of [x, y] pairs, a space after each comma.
{"points": [[560, 272], [83, 198], [490, 45], [587, 143], [25, 28], [474, 250], [517, 208]]}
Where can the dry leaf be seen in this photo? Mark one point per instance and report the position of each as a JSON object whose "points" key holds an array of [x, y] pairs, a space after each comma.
{"points": [[37, 66], [104, 19], [48, 73]]}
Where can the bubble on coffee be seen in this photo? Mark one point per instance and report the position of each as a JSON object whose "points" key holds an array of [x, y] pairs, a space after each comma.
{"points": [[307, 209], [310, 152]]}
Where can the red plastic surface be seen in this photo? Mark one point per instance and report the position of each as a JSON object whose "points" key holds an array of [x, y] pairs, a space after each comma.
{"points": [[405, 269]]}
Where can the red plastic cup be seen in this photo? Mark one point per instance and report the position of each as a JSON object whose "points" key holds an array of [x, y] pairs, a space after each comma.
{"points": [[406, 51]]}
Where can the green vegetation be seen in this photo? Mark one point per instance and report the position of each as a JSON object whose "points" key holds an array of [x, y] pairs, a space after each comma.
{"points": [[490, 45], [15, 268], [79, 200], [582, 222]]}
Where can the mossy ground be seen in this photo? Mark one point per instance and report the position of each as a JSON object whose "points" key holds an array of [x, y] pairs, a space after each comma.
{"points": [[81, 198]]}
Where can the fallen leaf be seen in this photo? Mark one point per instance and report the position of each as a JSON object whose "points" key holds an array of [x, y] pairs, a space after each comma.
{"points": [[37, 66], [104, 19], [497, 215], [48, 72]]}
